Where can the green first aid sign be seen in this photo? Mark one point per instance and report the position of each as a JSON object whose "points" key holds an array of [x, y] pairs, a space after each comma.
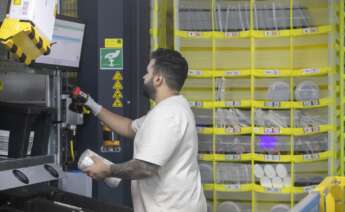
{"points": [[111, 59]]}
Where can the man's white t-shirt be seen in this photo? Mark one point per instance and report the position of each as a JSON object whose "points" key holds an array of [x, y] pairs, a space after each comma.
{"points": [[167, 137]]}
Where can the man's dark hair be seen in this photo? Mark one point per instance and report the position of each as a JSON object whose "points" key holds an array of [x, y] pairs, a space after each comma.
{"points": [[172, 65]]}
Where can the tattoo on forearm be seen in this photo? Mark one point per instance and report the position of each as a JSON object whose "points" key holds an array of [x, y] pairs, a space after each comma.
{"points": [[134, 169]]}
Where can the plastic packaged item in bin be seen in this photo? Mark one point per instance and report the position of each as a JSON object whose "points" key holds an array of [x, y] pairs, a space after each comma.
{"points": [[233, 173], [85, 161], [234, 118], [308, 181], [228, 206], [281, 170], [271, 118], [258, 171], [209, 206], [279, 91], [270, 171], [195, 19], [206, 172], [266, 182], [277, 182], [287, 181], [307, 90], [311, 144], [309, 118], [280, 208]]}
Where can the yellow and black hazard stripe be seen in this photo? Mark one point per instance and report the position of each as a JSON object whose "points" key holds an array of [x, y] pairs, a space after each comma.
{"points": [[22, 57], [38, 41]]}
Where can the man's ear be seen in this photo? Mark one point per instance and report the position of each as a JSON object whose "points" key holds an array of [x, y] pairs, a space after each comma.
{"points": [[158, 79]]}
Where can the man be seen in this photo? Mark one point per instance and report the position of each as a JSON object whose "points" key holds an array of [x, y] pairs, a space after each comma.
{"points": [[164, 169]]}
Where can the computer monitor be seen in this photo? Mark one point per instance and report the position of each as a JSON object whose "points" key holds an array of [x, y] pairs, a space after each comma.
{"points": [[67, 45]]}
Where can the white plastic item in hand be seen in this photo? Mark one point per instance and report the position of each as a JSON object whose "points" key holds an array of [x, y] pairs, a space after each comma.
{"points": [[307, 90], [281, 170], [85, 161]]}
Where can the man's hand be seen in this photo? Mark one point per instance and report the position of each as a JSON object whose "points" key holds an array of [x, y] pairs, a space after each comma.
{"points": [[99, 170], [81, 99]]}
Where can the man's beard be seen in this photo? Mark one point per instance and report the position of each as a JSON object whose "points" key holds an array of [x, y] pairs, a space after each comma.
{"points": [[149, 90]]}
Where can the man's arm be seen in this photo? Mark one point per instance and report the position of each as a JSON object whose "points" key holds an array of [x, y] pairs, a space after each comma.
{"points": [[118, 123], [132, 170]]}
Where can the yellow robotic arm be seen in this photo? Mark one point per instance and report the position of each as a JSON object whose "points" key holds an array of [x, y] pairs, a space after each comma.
{"points": [[28, 36]]}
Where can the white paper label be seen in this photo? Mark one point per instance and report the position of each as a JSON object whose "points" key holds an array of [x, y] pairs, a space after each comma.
{"points": [[271, 130], [272, 157], [232, 73], [232, 104], [272, 104], [232, 34], [272, 72], [271, 33], [196, 104], [195, 72], [233, 157], [232, 130], [194, 34], [276, 190], [311, 103], [233, 186], [311, 129], [311, 157], [311, 71], [310, 30]]}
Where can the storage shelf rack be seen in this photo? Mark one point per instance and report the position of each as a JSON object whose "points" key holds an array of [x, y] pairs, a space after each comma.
{"points": [[235, 58]]}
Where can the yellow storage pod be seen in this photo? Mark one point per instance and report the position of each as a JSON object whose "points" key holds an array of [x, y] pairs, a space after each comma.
{"points": [[263, 84]]}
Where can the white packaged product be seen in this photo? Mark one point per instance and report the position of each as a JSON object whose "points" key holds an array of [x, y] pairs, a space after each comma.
{"points": [[270, 171], [85, 161], [281, 170], [287, 181], [279, 91], [307, 90], [228, 206], [280, 208], [258, 171], [266, 182], [277, 182], [206, 172]]}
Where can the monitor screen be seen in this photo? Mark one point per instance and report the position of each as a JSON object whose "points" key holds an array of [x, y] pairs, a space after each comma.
{"points": [[67, 44]]}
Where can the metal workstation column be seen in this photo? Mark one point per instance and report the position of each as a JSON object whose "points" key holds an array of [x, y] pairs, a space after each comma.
{"points": [[111, 20]]}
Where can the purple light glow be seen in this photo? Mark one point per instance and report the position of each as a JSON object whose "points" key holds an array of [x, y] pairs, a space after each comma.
{"points": [[268, 143]]}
